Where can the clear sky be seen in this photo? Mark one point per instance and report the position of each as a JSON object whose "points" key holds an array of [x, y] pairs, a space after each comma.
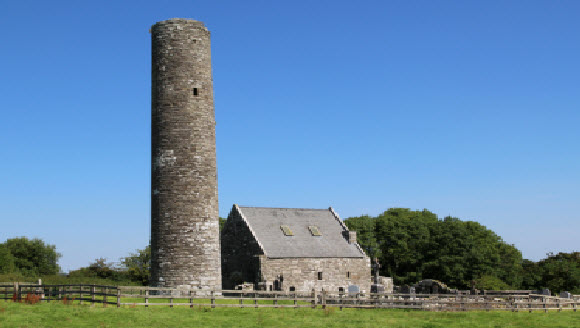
{"points": [[465, 108]]}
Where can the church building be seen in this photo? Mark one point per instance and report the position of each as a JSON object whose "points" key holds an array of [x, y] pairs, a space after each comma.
{"points": [[291, 249]]}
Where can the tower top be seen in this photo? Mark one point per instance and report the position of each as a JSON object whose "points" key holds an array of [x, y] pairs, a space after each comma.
{"points": [[180, 21]]}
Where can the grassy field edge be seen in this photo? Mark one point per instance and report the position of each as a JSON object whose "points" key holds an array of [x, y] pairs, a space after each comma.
{"points": [[60, 315]]}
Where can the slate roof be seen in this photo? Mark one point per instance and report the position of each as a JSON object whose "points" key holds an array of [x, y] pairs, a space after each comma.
{"points": [[265, 224]]}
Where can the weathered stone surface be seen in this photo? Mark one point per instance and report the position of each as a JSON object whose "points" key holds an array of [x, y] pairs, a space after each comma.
{"points": [[565, 294], [353, 289], [387, 282], [377, 289], [184, 200], [432, 286]]}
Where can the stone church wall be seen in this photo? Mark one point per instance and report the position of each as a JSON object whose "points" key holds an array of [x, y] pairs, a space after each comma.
{"points": [[239, 253], [303, 273]]}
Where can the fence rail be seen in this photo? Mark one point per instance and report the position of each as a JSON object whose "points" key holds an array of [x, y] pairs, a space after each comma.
{"points": [[163, 296], [60, 293]]}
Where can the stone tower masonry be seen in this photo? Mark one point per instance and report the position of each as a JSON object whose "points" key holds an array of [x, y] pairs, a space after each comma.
{"points": [[184, 201]]}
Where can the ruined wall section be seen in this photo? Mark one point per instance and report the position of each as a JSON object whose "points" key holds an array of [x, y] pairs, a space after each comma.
{"points": [[184, 199]]}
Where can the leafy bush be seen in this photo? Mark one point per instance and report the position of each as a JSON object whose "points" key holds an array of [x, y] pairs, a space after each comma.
{"points": [[30, 256], [491, 283]]}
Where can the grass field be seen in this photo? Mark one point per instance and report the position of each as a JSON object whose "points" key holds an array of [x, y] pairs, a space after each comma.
{"points": [[59, 315]]}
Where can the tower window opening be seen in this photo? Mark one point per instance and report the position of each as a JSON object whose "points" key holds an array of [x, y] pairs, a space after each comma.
{"points": [[319, 275], [195, 92], [348, 274]]}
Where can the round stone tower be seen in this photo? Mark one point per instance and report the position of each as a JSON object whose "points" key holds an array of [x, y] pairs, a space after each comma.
{"points": [[184, 200]]}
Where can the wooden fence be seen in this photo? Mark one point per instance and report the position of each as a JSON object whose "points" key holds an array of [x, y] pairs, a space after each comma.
{"points": [[450, 302], [60, 293], [151, 296], [160, 296]]}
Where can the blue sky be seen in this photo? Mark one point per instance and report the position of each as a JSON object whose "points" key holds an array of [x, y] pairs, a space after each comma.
{"points": [[466, 108]]}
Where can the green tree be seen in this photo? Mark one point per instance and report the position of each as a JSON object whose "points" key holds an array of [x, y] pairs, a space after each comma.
{"points": [[365, 228], [33, 257], [100, 268], [6, 261], [416, 245], [532, 275], [560, 272], [138, 265]]}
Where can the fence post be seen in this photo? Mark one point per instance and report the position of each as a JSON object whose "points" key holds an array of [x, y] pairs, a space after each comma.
{"points": [[104, 297], [255, 300], [118, 297], [574, 305], [544, 304], [314, 298], [16, 291], [147, 297], [559, 305], [324, 299], [81, 294], [212, 299], [275, 302], [296, 299], [59, 292], [92, 295]]}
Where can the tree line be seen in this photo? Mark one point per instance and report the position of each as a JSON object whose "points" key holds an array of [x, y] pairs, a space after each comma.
{"points": [[23, 259], [410, 245], [416, 245]]}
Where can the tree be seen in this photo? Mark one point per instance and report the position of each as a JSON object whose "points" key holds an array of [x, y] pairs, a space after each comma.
{"points": [[138, 265], [6, 260], [100, 268], [532, 275], [365, 227], [560, 272], [416, 245], [33, 257]]}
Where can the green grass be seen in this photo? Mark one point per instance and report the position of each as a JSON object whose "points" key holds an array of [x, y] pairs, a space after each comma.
{"points": [[59, 315]]}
